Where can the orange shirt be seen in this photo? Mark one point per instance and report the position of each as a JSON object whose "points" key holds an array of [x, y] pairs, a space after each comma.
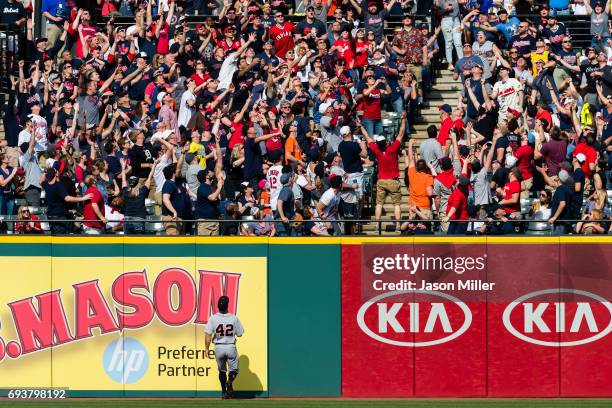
{"points": [[292, 146], [265, 197], [418, 188]]}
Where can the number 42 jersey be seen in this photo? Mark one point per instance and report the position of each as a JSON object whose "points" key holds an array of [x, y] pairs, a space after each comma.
{"points": [[224, 328]]}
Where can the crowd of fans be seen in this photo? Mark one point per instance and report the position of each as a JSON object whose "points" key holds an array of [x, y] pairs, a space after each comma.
{"points": [[266, 118]]}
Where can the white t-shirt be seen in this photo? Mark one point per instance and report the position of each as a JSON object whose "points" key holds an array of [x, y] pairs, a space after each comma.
{"points": [[508, 94], [331, 200], [114, 217], [185, 111], [159, 172], [273, 176], [226, 73], [24, 137]]}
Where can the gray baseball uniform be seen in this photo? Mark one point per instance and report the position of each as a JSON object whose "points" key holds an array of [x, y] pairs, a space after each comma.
{"points": [[225, 328]]}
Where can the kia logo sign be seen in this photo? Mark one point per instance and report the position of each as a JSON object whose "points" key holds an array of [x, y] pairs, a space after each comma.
{"points": [[572, 321], [398, 318]]}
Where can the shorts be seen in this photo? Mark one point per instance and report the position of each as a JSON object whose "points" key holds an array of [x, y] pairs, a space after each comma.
{"points": [[172, 227], [208, 228], [226, 355], [388, 187]]}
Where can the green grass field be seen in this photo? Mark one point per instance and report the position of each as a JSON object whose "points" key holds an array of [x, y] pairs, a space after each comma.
{"points": [[298, 403]]}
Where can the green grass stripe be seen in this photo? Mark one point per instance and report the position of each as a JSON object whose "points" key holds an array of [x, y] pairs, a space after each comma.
{"points": [[298, 403]]}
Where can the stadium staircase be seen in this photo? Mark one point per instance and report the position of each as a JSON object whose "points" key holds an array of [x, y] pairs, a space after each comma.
{"points": [[445, 90]]}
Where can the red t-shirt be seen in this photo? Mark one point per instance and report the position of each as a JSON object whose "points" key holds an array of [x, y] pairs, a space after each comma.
{"points": [[237, 136], [372, 105], [199, 80], [458, 200], [345, 51], [88, 31], [446, 126], [591, 157], [275, 142], [388, 167], [163, 41], [226, 47], [361, 51], [88, 212], [283, 38], [524, 154], [510, 188]]}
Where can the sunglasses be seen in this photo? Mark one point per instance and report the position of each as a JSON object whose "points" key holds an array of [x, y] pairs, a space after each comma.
{"points": [[566, 41], [25, 211]]}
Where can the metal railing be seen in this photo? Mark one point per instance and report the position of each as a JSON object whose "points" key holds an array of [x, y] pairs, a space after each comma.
{"points": [[519, 227], [12, 48]]}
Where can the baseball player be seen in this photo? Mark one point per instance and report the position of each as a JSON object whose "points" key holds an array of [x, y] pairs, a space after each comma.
{"points": [[222, 329]]}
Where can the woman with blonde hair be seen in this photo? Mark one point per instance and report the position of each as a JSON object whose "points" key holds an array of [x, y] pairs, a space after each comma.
{"points": [[28, 222], [591, 223]]}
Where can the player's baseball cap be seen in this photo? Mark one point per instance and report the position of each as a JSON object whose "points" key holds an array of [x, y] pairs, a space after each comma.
{"points": [[223, 303]]}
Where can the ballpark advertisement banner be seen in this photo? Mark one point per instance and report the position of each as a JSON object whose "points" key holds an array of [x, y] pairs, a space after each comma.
{"points": [[128, 325], [477, 317]]}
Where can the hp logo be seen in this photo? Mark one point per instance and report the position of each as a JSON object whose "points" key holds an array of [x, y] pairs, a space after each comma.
{"points": [[125, 360]]}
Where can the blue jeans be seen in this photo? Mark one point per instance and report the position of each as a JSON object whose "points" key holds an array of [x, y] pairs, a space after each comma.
{"points": [[132, 226], [7, 205], [452, 37], [373, 127]]}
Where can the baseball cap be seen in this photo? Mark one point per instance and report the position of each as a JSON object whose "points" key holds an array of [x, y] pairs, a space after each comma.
{"points": [[345, 130], [546, 7], [514, 112], [51, 173], [502, 11], [223, 303], [285, 179], [446, 108], [581, 157], [323, 107], [189, 157], [133, 181], [379, 138], [174, 48], [229, 28], [262, 184], [41, 39], [141, 55]]}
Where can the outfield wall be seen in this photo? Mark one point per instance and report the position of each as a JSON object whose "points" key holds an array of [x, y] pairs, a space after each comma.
{"points": [[353, 317]]}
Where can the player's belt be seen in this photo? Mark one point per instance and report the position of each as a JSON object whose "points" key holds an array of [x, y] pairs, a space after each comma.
{"points": [[225, 344]]}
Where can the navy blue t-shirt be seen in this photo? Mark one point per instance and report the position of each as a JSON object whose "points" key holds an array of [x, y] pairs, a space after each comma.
{"points": [[351, 161], [176, 198], [204, 208], [252, 160], [563, 193], [55, 194]]}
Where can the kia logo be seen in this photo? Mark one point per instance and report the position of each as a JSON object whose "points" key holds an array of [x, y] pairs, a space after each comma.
{"points": [[395, 318], [573, 321]]}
